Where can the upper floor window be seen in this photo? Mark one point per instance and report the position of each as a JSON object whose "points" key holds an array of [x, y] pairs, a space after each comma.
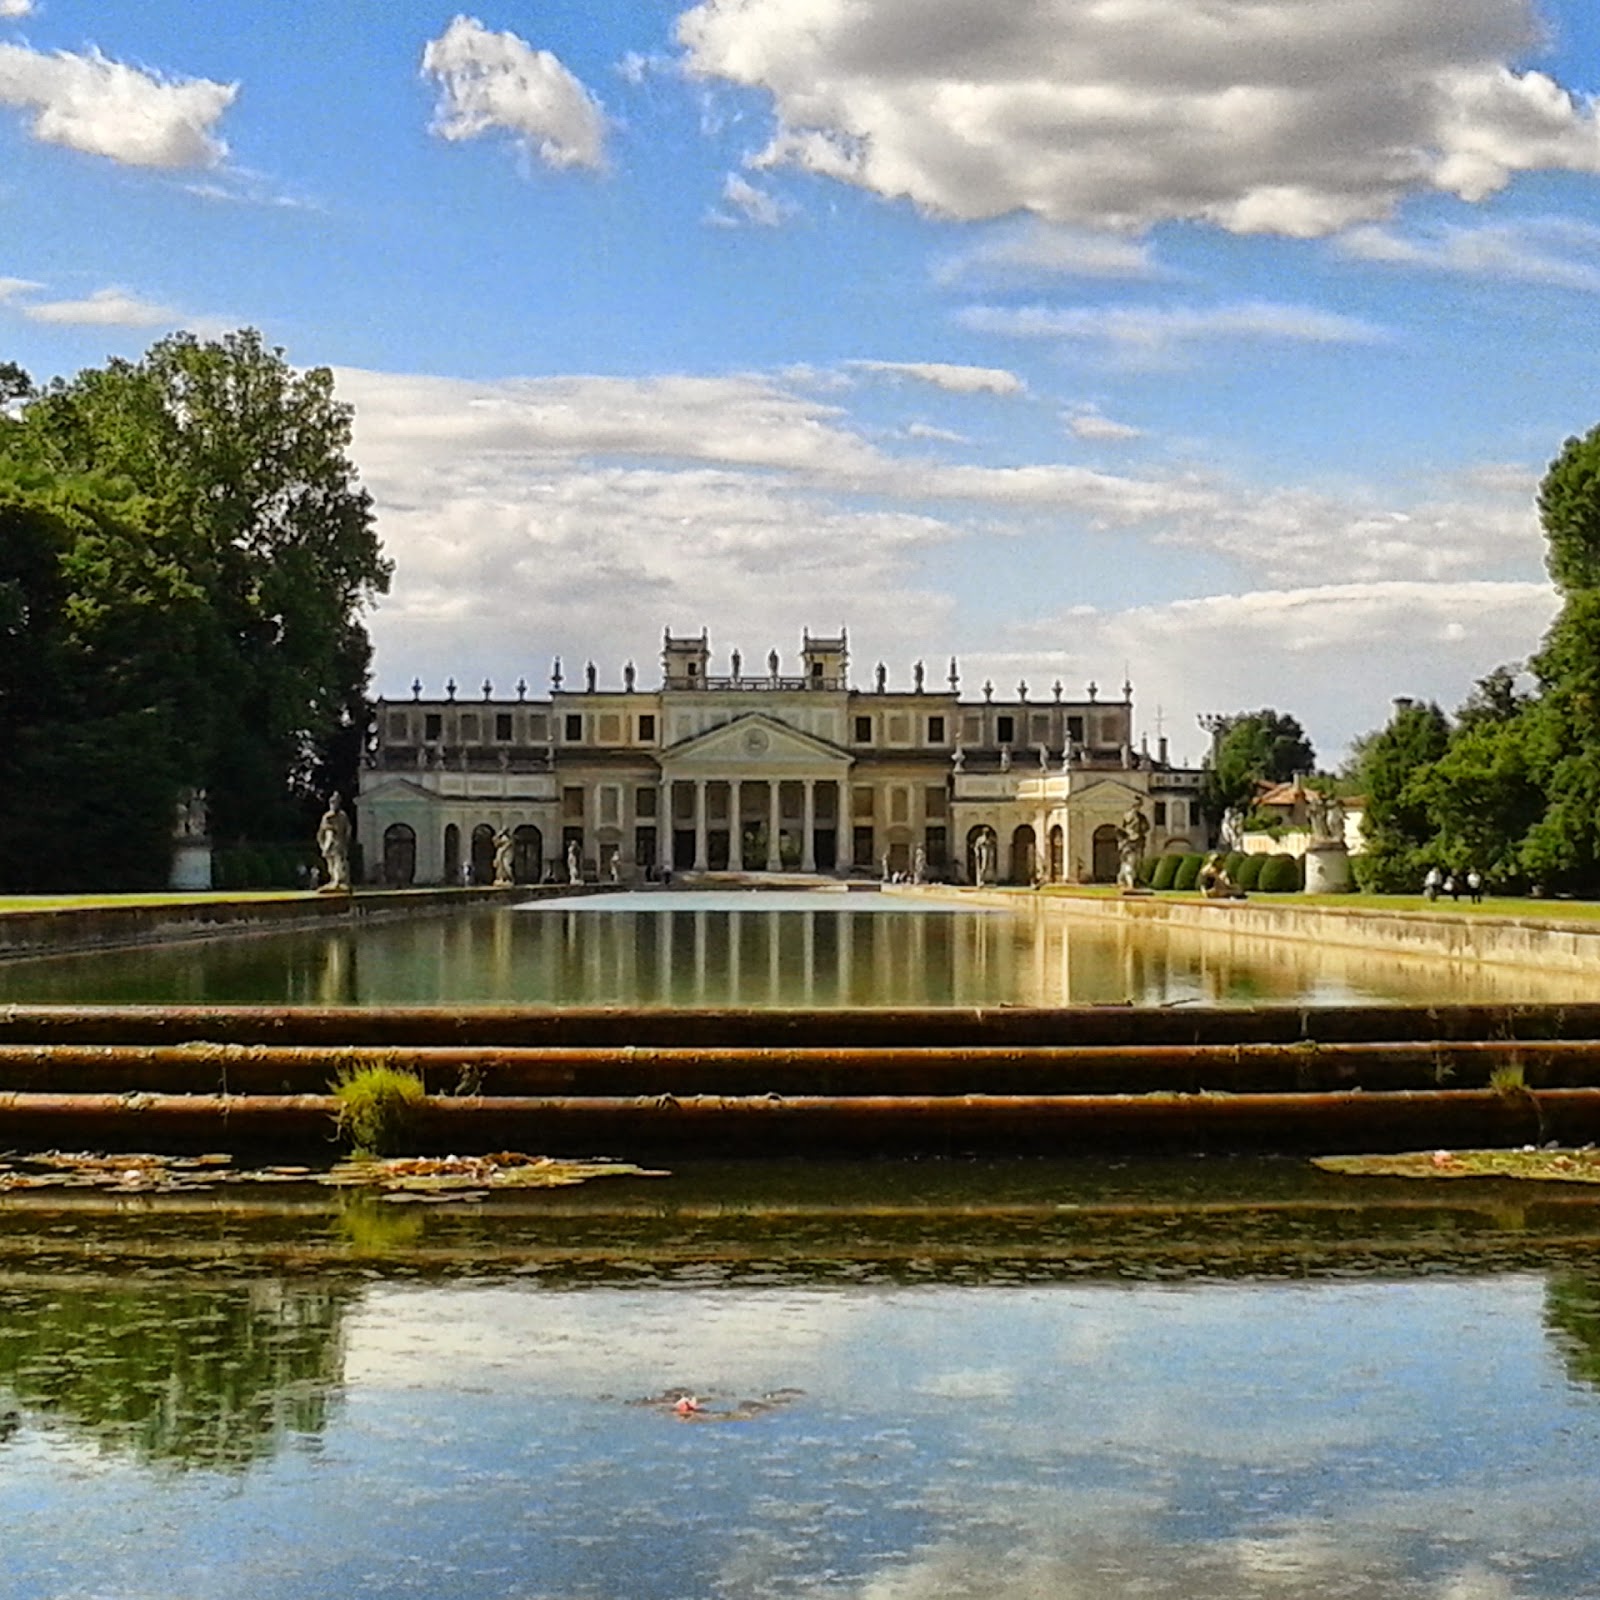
{"points": [[502, 726], [863, 730], [647, 725], [1005, 730], [935, 730], [433, 727], [574, 727]]}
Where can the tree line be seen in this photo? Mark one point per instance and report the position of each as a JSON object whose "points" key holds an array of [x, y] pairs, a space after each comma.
{"points": [[185, 554], [1511, 783]]}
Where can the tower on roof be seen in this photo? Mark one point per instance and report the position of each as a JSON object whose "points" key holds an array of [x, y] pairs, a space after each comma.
{"points": [[826, 660], [684, 660]]}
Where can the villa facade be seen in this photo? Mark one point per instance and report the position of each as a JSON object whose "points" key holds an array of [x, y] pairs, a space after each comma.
{"points": [[763, 771]]}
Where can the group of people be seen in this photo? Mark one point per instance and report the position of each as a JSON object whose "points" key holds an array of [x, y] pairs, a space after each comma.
{"points": [[1439, 882]]}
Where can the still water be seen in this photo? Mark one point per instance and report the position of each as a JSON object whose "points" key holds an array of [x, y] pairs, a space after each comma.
{"points": [[753, 949], [939, 1382]]}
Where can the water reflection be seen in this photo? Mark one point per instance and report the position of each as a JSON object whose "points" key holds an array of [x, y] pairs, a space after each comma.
{"points": [[207, 1377], [838, 955]]}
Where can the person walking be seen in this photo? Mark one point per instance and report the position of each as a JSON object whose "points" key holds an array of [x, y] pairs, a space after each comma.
{"points": [[1430, 884], [1474, 885]]}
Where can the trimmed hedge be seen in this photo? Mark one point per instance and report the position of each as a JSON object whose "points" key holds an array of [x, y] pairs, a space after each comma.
{"points": [[1281, 875], [1166, 869], [1249, 875], [1188, 873], [1231, 864]]}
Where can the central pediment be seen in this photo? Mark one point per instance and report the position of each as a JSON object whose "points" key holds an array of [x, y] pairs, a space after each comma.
{"points": [[755, 746]]}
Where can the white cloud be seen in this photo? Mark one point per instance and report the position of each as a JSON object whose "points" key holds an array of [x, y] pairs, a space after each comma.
{"points": [[10, 9], [753, 204], [1274, 117], [105, 308], [947, 375], [104, 108], [10, 288], [1089, 422], [926, 430], [1153, 330], [497, 80], [1029, 250], [1561, 253]]}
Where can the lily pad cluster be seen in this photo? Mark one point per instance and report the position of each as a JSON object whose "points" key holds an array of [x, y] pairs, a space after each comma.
{"points": [[1531, 1164]]}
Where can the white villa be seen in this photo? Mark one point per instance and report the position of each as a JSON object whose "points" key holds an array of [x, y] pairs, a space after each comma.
{"points": [[763, 770]]}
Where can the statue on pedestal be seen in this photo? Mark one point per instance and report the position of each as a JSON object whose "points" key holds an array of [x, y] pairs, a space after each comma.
{"points": [[574, 863], [919, 865], [982, 858], [333, 840], [503, 846], [1132, 833]]}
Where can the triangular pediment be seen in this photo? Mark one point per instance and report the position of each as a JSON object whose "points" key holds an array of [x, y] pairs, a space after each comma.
{"points": [[754, 745], [391, 786], [1107, 794]]}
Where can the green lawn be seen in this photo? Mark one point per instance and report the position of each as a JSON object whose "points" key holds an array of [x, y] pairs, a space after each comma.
{"points": [[1518, 906], [96, 902]]}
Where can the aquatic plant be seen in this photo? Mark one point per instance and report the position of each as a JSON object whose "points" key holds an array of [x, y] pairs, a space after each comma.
{"points": [[378, 1106]]}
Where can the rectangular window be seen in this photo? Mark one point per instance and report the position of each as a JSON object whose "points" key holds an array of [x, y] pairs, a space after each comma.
{"points": [[610, 804], [1005, 730], [469, 727], [935, 802], [1075, 729], [861, 848], [433, 727], [399, 726], [1039, 727], [502, 726], [644, 802], [1161, 813], [899, 804], [816, 669], [610, 728], [1180, 813], [863, 730], [972, 730], [861, 801], [937, 847], [538, 727], [572, 804], [574, 727], [647, 727], [644, 848], [899, 730], [935, 730]]}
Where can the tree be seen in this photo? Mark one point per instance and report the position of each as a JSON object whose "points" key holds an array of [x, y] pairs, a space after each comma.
{"points": [[1569, 509], [15, 384], [245, 462], [1397, 823], [1253, 747]]}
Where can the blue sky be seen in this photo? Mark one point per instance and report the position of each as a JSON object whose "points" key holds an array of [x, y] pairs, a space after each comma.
{"points": [[1223, 344]]}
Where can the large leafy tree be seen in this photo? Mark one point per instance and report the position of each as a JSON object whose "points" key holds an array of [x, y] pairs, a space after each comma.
{"points": [[1253, 747], [245, 464], [1397, 823]]}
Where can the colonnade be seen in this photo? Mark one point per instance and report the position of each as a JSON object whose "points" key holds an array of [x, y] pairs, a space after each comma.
{"points": [[773, 861]]}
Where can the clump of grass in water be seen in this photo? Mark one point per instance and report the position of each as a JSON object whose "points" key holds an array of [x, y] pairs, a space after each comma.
{"points": [[378, 1105], [1508, 1079]]}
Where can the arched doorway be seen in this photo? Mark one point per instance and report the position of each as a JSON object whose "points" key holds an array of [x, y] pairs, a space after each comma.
{"points": [[1022, 854], [1107, 858], [1058, 854], [984, 835], [527, 854], [452, 853], [483, 853], [399, 855]]}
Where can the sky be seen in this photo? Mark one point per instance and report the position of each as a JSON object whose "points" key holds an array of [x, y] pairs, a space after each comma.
{"points": [[1214, 345]]}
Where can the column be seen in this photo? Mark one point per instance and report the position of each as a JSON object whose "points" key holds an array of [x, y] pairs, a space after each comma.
{"points": [[735, 832], [774, 823], [700, 825], [808, 842], [664, 828], [1041, 848], [844, 838]]}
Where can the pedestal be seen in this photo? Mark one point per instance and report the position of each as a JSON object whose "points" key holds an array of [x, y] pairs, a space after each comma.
{"points": [[191, 864], [1328, 869]]}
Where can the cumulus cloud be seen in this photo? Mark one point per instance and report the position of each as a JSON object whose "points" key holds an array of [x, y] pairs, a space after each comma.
{"points": [[11, 9], [1029, 250], [491, 81], [1274, 117], [1561, 253], [947, 375], [750, 204], [1155, 330], [105, 308], [104, 108], [1089, 422]]}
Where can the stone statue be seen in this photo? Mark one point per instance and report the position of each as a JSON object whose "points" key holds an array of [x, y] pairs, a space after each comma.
{"points": [[738, 662], [882, 676], [1132, 833], [503, 846], [916, 677], [958, 759], [1005, 758], [772, 665], [1233, 828], [1326, 817], [589, 675], [333, 840], [1044, 758], [191, 821], [982, 858], [574, 863], [627, 677], [919, 865]]}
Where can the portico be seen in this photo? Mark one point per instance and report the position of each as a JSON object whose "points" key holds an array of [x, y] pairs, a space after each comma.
{"points": [[754, 795]]}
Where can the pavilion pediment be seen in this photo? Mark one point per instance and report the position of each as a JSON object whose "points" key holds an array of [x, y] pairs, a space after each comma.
{"points": [[755, 746]]}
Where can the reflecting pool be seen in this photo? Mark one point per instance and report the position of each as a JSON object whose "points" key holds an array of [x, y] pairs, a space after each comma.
{"points": [[940, 1382], [826, 948]]}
